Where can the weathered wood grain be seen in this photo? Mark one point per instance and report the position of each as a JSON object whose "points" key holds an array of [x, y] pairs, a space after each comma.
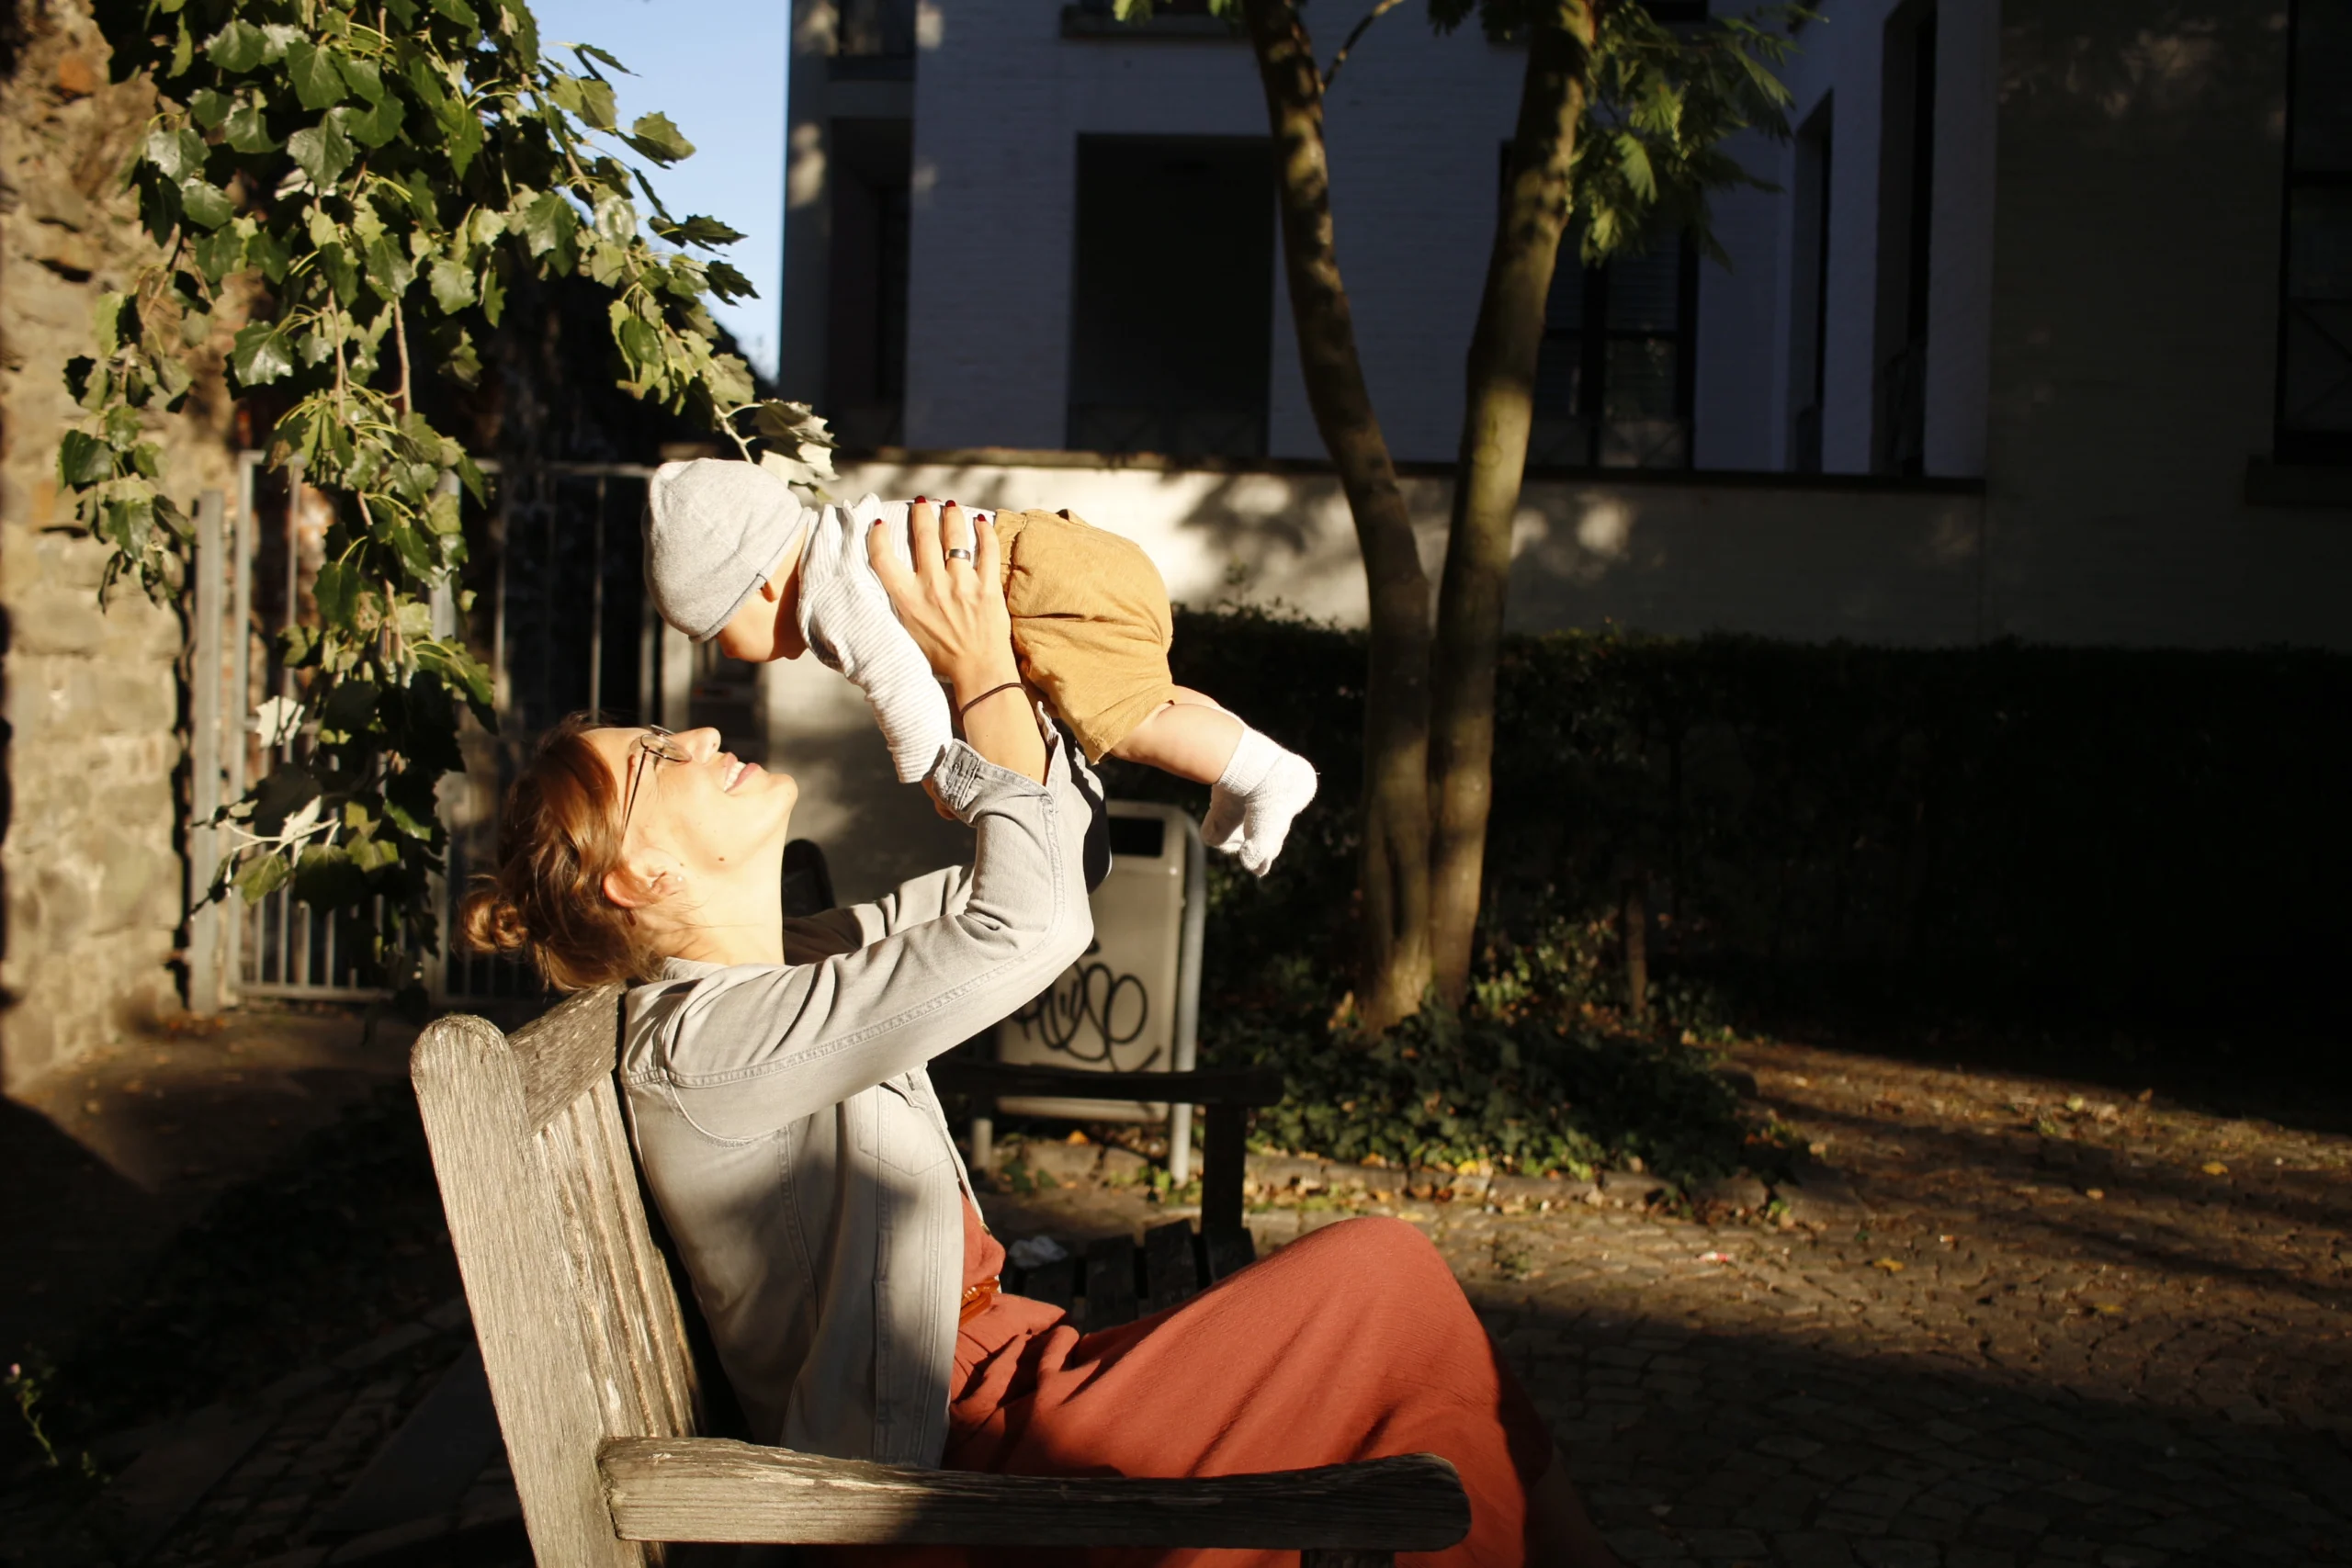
{"points": [[566, 1049], [1219, 1086], [1110, 1283], [710, 1489], [508, 1239]]}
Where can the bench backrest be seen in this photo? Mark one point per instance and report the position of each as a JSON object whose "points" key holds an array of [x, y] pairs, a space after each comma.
{"points": [[572, 1299]]}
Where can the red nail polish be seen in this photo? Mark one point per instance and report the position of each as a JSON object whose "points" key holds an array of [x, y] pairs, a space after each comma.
{"points": [[923, 501]]}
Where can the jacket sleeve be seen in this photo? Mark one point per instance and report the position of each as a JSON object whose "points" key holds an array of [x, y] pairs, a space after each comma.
{"points": [[752, 1047]]}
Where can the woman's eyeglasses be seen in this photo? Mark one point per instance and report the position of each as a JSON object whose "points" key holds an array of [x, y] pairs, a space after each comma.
{"points": [[656, 745]]}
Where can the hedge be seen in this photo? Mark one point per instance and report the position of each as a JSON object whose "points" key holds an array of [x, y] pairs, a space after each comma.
{"points": [[2086, 838]]}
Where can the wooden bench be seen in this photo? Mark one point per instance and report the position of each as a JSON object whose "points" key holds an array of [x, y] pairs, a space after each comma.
{"points": [[589, 1364]]}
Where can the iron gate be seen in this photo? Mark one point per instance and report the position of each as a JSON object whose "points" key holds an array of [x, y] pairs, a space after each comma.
{"points": [[561, 616]]}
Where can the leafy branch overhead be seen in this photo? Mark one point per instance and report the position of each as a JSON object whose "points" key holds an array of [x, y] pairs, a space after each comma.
{"points": [[356, 190]]}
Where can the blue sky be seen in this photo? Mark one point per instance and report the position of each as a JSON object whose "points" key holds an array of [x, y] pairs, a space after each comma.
{"points": [[718, 69]]}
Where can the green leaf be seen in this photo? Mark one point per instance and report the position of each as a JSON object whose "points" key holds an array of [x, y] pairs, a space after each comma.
{"points": [[597, 105], [656, 138], [248, 131], [322, 151], [593, 53], [206, 205], [83, 460], [210, 106], [337, 593], [565, 92], [239, 46], [548, 225], [361, 75], [259, 354], [270, 254], [342, 271], [390, 269], [729, 284], [313, 70], [106, 323], [325, 878], [378, 124], [461, 134], [699, 231], [221, 252], [163, 149], [457, 11], [1634, 159], [258, 878], [452, 284]]}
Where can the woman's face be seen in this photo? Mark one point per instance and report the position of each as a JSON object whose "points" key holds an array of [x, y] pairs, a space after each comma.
{"points": [[710, 813]]}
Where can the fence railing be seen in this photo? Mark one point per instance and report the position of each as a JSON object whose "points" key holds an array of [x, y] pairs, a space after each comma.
{"points": [[561, 616]]}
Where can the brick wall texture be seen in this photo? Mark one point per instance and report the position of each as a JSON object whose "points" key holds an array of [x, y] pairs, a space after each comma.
{"points": [[90, 873]]}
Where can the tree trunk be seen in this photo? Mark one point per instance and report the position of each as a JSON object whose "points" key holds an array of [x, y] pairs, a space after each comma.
{"points": [[1501, 378], [1396, 951]]}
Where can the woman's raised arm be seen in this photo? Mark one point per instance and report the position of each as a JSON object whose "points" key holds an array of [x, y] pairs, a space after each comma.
{"points": [[951, 600]]}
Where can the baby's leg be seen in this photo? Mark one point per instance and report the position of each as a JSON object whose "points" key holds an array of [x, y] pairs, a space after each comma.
{"points": [[1189, 737]]}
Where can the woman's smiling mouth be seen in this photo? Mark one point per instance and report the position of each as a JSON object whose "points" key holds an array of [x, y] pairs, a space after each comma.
{"points": [[736, 769]]}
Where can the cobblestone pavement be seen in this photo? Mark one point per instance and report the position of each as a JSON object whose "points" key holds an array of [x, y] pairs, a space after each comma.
{"points": [[2035, 1323], [2008, 1323]]}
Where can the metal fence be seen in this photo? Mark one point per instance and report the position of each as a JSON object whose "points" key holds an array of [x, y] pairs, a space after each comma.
{"points": [[560, 615]]}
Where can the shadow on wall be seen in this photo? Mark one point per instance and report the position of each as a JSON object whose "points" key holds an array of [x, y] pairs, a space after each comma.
{"points": [[1812, 560]]}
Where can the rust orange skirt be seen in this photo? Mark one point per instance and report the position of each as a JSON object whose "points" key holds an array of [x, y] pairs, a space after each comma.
{"points": [[1353, 1343]]}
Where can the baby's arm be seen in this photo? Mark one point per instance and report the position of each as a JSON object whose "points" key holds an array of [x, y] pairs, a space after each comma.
{"points": [[847, 620]]}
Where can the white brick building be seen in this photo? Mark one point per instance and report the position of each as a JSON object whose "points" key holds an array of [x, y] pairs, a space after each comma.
{"points": [[2065, 358], [2033, 346]]}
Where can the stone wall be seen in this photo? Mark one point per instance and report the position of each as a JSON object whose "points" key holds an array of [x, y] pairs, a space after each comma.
{"points": [[91, 897]]}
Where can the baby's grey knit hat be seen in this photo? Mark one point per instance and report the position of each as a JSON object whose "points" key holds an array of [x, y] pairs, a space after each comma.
{"points": [[714, 530]]}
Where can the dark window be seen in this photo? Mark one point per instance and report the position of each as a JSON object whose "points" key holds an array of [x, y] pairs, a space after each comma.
{"points": [[1906, 212], [1809, 305], [1613, 379], [2315, 270], [873, 39], [1172, 311], [866, 325]]}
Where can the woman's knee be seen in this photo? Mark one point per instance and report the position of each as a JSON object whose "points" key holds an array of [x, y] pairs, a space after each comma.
{"points": [[1382, 1245]]}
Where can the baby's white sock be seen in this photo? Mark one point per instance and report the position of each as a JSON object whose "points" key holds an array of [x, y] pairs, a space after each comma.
{"points": [[845, 614], [1251, 805]]}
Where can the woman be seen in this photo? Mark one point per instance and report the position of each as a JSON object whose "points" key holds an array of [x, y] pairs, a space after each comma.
{"points": [[776, 1092]]}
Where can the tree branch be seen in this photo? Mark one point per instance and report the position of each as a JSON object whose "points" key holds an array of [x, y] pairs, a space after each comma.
{"points": [[1331, 73]]}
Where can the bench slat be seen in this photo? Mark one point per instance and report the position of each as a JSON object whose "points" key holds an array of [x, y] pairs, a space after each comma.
{"points": [[565, 1050], [1110, 1283], [1053, 1283], [716, 1490], [1209, 1086], [1171, 1273], [1227, 1251]]}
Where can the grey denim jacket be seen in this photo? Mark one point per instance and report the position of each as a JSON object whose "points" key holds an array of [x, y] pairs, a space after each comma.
{"points": [[791, 1138]]}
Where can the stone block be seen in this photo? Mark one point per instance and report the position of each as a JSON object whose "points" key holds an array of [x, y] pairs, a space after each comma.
{"points": [[56, 620]]}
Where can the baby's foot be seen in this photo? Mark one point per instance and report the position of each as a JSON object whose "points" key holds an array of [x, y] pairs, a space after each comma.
{"points": [[1251, 807]]}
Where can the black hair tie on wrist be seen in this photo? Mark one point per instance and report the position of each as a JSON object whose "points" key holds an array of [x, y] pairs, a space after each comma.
{"points": [[984, 696]]}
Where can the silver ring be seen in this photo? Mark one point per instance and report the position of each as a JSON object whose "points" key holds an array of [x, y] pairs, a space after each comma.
{"points": [[960, 553]]}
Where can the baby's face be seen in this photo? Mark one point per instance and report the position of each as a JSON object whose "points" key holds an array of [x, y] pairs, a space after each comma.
{"points": [[768, 626]]}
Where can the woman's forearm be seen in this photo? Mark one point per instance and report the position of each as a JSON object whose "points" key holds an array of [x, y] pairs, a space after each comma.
{"points": [[1000, 719]]}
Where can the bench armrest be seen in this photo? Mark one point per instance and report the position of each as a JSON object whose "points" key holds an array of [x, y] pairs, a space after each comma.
{"points": [[718, 1490], [1209, 1086]]}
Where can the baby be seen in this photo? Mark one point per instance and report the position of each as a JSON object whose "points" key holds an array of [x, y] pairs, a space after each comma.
{"points": [[731, 553]]}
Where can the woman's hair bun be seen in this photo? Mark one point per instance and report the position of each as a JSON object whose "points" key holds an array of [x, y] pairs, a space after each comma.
{"points": [[490, 922]]}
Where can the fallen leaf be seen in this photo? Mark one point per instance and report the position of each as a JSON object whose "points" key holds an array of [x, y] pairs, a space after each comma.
{"points": [[1714, 1257], [2215, 1167], [1889, 1264], [2094, 1194]]}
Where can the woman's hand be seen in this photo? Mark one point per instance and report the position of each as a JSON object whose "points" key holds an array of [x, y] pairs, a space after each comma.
{"points": [[954, 608]]}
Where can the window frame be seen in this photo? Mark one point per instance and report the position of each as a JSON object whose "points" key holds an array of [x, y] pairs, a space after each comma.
{"points": [[2299, 447]]}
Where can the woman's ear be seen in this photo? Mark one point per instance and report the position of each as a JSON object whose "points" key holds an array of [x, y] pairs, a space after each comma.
{"points": [[642, 881]]}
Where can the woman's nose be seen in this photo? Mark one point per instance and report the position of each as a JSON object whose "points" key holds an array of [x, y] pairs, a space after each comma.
{"points": [[702, 745]]}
